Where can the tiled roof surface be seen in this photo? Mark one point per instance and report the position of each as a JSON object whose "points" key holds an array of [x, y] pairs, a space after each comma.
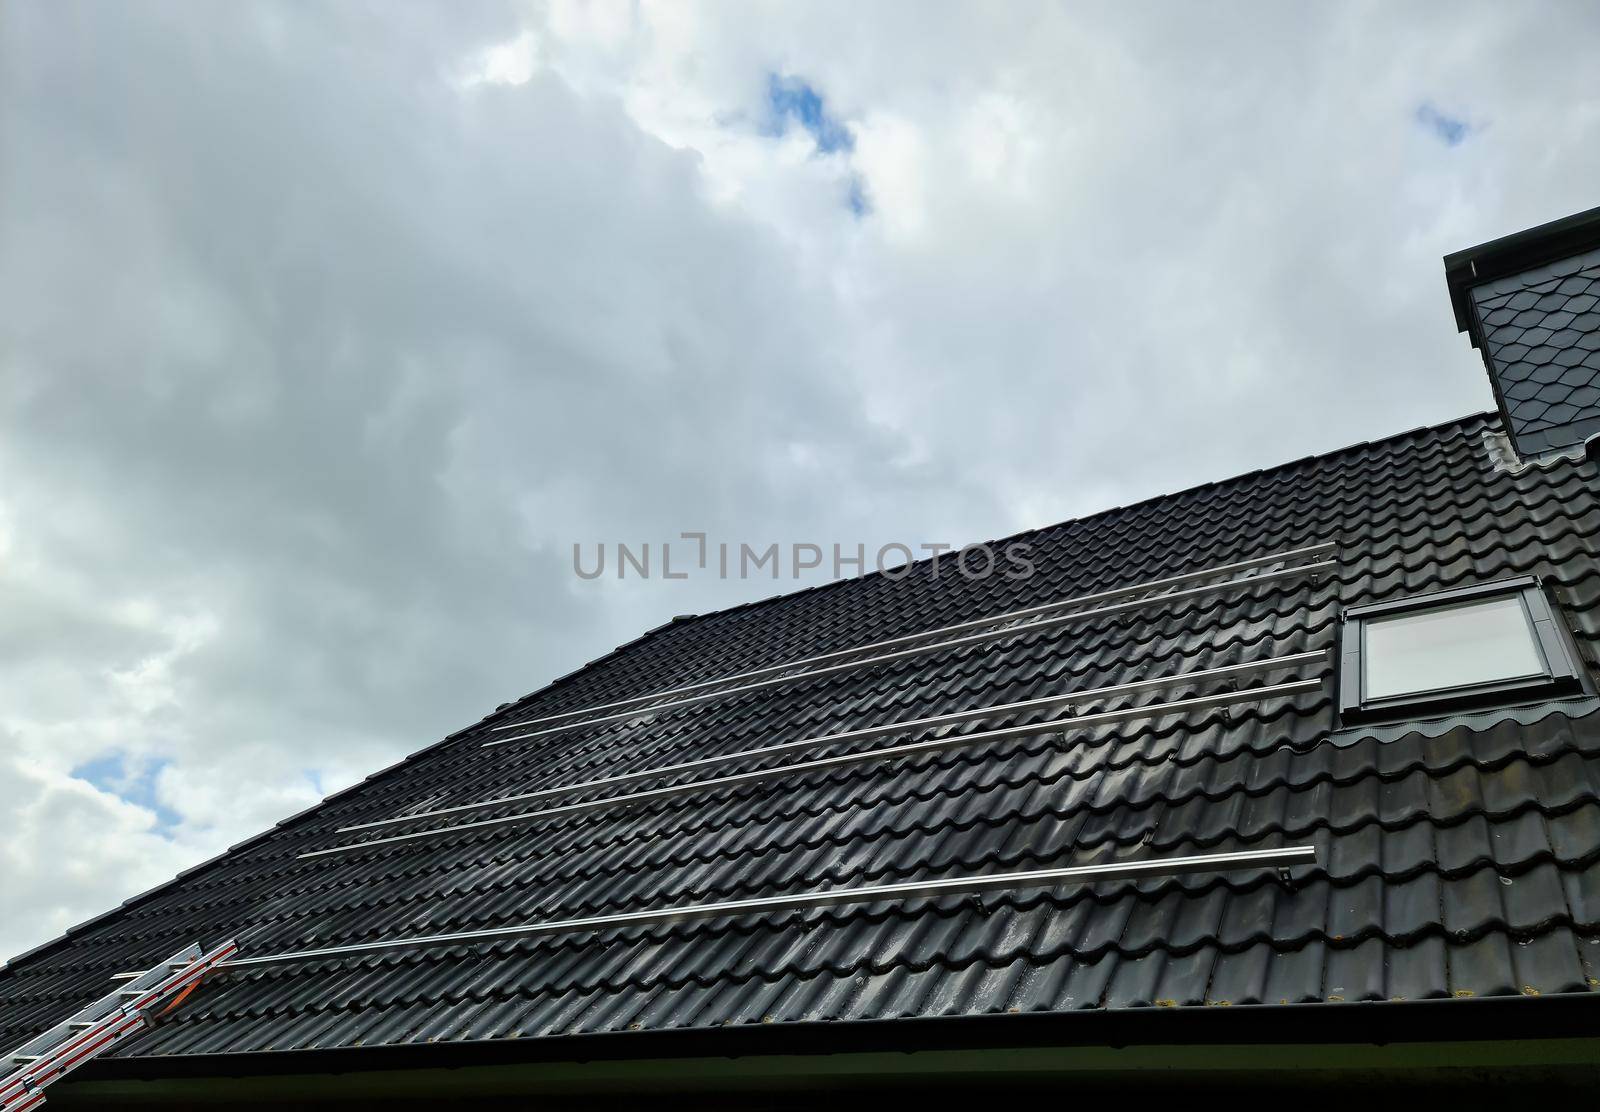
{"points": [[1457, 859], [1541, 331]]}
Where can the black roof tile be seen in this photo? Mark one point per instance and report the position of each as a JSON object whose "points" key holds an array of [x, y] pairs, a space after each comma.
{"points": [[1457, 857]]}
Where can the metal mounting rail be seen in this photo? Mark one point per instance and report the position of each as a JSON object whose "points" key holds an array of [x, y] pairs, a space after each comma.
{"points": [[1067, 698], [960, 627], [66, 1046], [916, 650], [1082, 721], [803, 901]]}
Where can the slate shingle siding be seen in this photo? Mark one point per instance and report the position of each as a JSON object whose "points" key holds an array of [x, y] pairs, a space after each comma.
{"points": [[1459, 859], [1541, 332]]}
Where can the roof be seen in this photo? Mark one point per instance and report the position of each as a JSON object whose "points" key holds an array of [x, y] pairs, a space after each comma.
{"points": [[1531, 303], [1457, 860]]}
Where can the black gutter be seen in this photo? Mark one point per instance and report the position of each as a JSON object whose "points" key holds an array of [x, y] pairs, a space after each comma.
{"points": [[1356, 1023]]}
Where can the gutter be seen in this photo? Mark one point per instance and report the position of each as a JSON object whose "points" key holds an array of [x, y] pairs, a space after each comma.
{"points": [[1256, 1027]]}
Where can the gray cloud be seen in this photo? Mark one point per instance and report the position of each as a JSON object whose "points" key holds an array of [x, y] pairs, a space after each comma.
{"points": [[319, 352]]}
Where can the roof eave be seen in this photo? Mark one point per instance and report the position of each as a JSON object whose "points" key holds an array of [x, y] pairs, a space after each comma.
{"points": [[1373, 1023]]}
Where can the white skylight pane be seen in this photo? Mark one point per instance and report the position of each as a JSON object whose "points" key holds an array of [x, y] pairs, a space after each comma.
{"points": [[1450, 646]]}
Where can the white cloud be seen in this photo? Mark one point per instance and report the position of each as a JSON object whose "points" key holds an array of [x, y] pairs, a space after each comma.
{"points": [[508, 63], [326, 337], [71, 851]]}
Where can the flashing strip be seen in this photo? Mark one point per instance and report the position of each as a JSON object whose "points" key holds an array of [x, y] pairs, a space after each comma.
{"points": [[1068, 699], [1082, 721], [903, 654], [805, 901]]}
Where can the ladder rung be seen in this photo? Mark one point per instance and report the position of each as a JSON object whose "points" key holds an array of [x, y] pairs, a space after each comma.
{"points": [[68, 1045], [135, 974]]}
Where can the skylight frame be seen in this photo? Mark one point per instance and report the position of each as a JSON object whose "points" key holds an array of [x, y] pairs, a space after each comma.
{"points": [[1561, 674]]}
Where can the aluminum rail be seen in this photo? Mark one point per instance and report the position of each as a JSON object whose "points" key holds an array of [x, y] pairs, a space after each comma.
{"points": [[803, 901], [1068, 698], [936, 646], [960, 627], [1123, 714]]}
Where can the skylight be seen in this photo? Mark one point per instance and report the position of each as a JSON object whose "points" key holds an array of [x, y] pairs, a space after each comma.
{"points": [[1450, 646], [1493, 642]]}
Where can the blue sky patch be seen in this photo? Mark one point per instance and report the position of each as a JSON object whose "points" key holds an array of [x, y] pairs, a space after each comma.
{"points": [[856, 197], [135, 783], [791, 100], [1452, 131]]}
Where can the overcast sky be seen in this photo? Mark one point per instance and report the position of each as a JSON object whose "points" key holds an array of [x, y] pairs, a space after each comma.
{"points": [[326, 330]]}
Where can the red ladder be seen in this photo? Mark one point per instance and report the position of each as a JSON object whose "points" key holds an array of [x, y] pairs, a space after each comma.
{"points": [[26, 1071]]}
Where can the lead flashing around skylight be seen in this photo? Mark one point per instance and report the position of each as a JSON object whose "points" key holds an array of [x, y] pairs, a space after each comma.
{"points": [[1481, 721]]}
